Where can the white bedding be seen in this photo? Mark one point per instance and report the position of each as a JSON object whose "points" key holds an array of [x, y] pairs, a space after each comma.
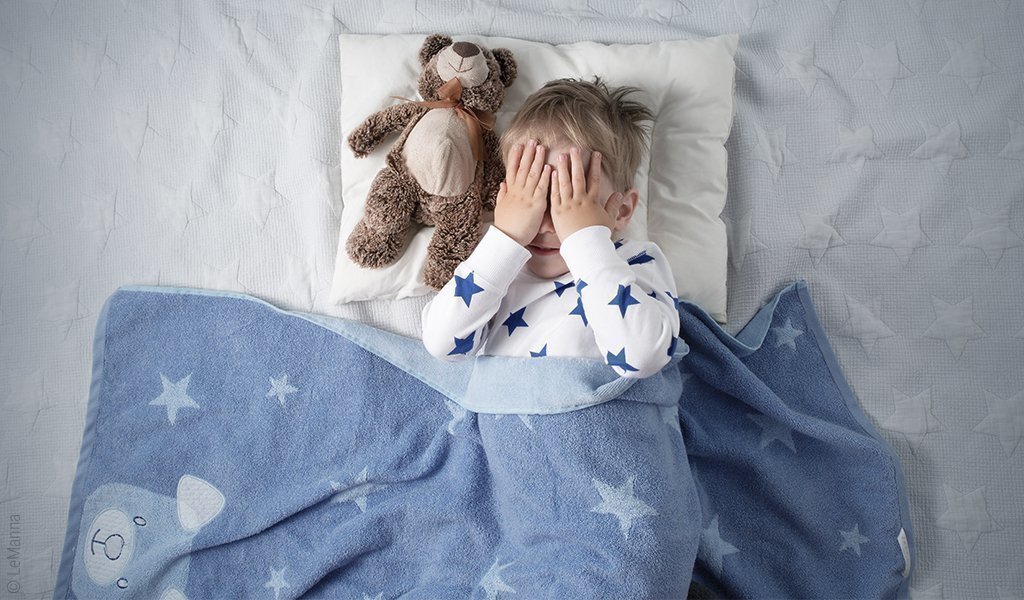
{"points": [[877, 152]]}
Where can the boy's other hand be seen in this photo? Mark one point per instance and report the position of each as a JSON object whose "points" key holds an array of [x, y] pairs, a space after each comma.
{"points": [[523, 196], [575, 197]]}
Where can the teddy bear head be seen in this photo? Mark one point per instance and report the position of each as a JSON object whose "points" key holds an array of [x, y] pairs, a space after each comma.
{"points": [[484, 73]]}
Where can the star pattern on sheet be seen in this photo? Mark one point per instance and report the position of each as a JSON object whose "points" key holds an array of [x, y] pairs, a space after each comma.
{"points": [[90, 60], [1005, 420], [942, 146], [57, 140], [852, 539], [954, 324], [932, 593], [967, 515], [662, 11], [492, 583], [174, 397], [864, 324], [856, 147], [991, 234], [833, 5], [1014, 148], [968, 62], [713, 548], [771, 149], [786, 335], [882, 66], [280, 388], [358, 491], [209, 120], [902, 233], [258, 196], [772, 431], [800, 66], [819, 235], [747, 10], [277, 582], [741, 239], [133, 129], [622, 503], [912, 417]]}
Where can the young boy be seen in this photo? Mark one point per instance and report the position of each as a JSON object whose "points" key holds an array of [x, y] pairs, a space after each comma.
{"points": [[571, 153]]}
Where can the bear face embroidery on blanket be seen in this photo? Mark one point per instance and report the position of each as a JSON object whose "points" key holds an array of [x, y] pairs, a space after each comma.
{"points": [[131, 537]]}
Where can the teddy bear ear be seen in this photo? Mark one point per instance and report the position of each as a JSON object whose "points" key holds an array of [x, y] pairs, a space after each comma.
{"points": [[507, 63], [432, 45]]}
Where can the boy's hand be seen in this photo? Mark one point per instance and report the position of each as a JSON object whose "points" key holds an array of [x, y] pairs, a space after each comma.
{"points": [[523, 196], [574, 197]]}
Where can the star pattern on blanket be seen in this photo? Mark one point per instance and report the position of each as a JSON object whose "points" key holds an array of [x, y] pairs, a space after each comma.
{"points": [[819, 235], [968, 62], [800, 66], [492, 583], [771, 149], [174, 397], [1005, 420], [277, 582], [902, 233], [991, 234], [942, 146], [465, 287], [967, 515], [515, 319], [772, 430], [882, 66], [713, 549], [856, 147], [280, 388], [912, 417], [852, 539], [356, 492], [954, 324], [864, 324], [622, 503], [786, 335], [623, 299]]}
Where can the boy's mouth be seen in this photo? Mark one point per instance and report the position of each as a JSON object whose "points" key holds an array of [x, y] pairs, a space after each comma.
{"points": [[541, 250]]}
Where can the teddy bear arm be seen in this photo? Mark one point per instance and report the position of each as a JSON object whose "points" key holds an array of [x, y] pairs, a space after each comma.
{"points": [[494, 172], [372, 131]]}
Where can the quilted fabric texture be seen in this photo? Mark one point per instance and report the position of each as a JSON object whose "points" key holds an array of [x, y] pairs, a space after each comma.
{"points": [[877, 152]]}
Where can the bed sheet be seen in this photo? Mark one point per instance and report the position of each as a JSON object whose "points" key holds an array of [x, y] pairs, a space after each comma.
{"points": [[877, 153]]}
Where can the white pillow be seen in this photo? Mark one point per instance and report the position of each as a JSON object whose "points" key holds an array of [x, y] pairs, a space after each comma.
{"points": [[687, 84]]}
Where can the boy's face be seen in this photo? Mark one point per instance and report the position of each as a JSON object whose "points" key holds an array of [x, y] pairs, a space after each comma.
{"points": [[545, 260]]}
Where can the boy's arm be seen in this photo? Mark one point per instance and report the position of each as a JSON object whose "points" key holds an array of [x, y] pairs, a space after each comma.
{"points": [[630, 304], [455, 321]]}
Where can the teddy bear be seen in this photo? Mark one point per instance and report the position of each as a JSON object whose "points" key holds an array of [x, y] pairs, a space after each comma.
{"points": [[445, 167]]}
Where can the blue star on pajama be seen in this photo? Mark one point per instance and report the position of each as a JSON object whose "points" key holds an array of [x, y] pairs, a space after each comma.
{"points": [[641, 258], [653, 295], [561, 287], [463, 345], [623, 299], [579, 309], [672, 346], [675, 299], [580, 285], [543, 352], [515, 319], [618, 243], [466, 287], [619, 360]]}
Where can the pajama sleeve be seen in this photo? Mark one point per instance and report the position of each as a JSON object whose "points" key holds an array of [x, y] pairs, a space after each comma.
{"points": [[630, 302], [455, 321]]}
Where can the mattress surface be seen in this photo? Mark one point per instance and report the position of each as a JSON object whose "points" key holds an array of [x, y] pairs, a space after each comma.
{"points": [[877, 152]]}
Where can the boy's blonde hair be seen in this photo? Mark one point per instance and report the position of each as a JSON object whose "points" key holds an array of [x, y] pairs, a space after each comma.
{"points": [[588, 115]]}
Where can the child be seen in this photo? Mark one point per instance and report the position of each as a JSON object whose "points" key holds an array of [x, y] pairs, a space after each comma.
{"points": [[571, 152]]}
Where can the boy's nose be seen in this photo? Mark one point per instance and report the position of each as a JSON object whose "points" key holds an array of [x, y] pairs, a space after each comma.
{"points": [[546, 224]]}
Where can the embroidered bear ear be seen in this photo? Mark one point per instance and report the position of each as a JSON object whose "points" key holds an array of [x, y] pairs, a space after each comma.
{"points": [[198, 502], [432, 45], [507, 64]]}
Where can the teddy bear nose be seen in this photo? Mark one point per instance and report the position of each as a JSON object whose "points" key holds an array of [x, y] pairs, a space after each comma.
{"points": [[465, 49]]}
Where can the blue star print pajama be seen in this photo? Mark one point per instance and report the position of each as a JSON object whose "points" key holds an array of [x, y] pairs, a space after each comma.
{"points": [[617, 303]]}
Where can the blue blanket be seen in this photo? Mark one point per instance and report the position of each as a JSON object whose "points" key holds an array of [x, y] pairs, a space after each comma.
{"points": [[232, 449]]}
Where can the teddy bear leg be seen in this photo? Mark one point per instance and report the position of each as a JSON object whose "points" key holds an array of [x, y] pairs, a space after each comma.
{"points": [[455, 236], [379, 237]]}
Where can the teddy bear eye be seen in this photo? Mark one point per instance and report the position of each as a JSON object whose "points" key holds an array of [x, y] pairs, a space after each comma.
{"points": [[139, 521]]}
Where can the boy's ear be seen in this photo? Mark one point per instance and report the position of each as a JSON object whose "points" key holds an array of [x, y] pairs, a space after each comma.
{"points": [[626, 207]]}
